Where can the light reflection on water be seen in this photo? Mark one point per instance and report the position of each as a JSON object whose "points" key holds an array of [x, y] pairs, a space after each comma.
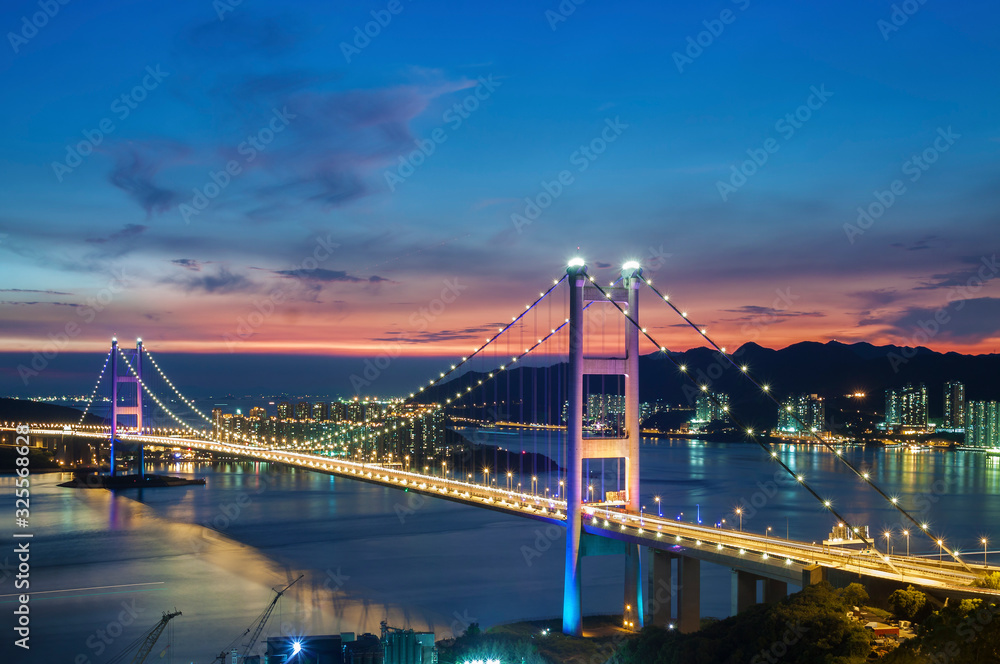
{"points": [[369, 553]]}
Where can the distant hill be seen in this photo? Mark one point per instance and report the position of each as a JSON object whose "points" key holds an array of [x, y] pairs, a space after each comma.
{"points": [[23, 410], [830, 369]]}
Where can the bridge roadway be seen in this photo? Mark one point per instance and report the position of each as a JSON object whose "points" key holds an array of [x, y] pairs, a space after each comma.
{"points": [[760, 555]]}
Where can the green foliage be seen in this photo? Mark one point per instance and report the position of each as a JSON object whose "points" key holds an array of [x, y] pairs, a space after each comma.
{"points": [[473, 630], [991, 580], [967, 632], [808, 627], [905, 604], [854, 595], [881, 614]]}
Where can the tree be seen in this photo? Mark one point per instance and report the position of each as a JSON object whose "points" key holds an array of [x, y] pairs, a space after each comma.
{"points": [[905, 604], [991, 580], [855, 595], [473, 630]]}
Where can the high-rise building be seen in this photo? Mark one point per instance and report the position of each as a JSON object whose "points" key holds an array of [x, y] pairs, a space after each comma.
{"points": [[258, 413], [284, 410], [321, 411], [982, 424], [338, 411], [303, 410], [954, 405], [802, 412], [907, 406], [710, 407], [606, 410], [216, 423]]}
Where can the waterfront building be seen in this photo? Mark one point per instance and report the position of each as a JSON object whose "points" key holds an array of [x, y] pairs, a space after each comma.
{"points": [[284, 410], [906, 406], [954, 405], [321, 411], [982, 424], [708, 409], [802, 413], [303, 410]]}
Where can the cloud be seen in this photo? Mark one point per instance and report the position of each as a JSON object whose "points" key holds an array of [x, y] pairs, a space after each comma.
{"points": [[925, 242], [128, 232], [985, 269], [55, 304], [428, 336], [324, 275], [221, 281], [759, 311], [188, 263], [137, 164], [970, 320], [871, 299], [29, 290]]}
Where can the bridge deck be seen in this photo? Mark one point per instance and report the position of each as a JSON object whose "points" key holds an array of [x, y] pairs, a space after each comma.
{"points": [[771, 557]]}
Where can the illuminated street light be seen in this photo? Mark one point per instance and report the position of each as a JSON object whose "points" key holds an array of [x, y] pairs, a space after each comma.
{"points": [[984, 541], [659, 510], [739, 512]]}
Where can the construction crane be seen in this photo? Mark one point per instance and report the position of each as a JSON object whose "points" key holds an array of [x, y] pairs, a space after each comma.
{"points": [[257, 626], [145, 642]]}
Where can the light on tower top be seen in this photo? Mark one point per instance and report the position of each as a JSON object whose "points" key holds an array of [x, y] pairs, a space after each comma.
{"points": [[138, 340], [631, 265], [576, 262], [114, 339]]}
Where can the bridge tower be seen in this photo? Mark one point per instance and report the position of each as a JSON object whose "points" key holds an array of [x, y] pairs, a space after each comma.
{"points": [[581, 291], [117, 409]]}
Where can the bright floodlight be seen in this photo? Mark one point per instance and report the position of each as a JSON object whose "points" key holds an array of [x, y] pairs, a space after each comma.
{"points": [[631, 265], [296, 647], [576, 262]]}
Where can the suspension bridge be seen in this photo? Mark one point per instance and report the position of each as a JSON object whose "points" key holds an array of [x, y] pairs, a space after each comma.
{"points": [[574, 356]]}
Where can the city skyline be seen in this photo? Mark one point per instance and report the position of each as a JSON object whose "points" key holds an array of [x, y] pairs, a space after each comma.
{"points": [[329, 239]]}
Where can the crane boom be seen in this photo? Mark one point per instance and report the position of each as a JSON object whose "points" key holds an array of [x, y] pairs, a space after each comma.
{"points": [[267, 614], [152, 637]]}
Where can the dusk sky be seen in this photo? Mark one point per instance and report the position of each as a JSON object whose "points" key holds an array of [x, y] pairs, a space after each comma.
{"points": [[117, 115]]}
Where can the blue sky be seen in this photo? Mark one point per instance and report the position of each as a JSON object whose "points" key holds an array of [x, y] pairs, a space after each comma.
{"points": [[657, 191]]}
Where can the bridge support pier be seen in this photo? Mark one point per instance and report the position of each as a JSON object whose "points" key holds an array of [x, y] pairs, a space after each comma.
{"points": [[663, 589], [572, 586], [688, 594], [744, 591], [636, 573], [774, 591]]}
